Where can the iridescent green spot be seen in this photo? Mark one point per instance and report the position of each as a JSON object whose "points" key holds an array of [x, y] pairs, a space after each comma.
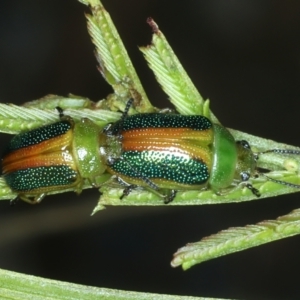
{"points": [[41, 177]]}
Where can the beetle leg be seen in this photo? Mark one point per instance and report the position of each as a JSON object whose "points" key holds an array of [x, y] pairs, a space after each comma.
{"points": [[245, 176], [167, 195], [169, 198], [128, 187], [253, 189], [13, 202], [127, 190], [60, 112], [32, 200]]}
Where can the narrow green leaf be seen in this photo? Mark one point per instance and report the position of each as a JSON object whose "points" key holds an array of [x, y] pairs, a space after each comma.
{"points": [[26, 287], [237, 239], [14, 119], [115, 64], [171, 75]]}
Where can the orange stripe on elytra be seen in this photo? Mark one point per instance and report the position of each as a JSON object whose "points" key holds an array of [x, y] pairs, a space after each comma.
{"points": [[55, 144], [204, 136], [187, 147], [42, 160]]}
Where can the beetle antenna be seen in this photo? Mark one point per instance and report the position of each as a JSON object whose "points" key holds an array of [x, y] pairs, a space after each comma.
{"points": [[281, 151], [126, 110], [116, 128], [293, 185]]}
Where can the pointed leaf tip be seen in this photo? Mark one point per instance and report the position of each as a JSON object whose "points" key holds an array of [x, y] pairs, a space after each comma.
{"points": [[153, 25]]}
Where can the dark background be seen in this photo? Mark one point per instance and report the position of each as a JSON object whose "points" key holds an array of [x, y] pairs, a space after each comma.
{"points": [[244, 56]]}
